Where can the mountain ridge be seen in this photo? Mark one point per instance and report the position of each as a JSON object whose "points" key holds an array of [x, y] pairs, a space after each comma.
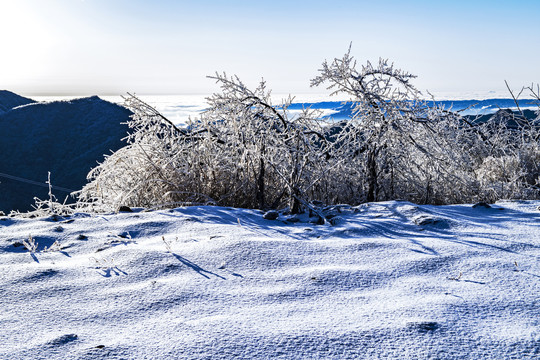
{"points": [[9, 100], [65, 138]]}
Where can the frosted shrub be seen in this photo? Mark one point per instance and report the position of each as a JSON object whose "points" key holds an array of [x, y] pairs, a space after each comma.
{"points": [[149, 171], [498, 176], [246, 151], [511, 176], [529, 157], [243, 151]]}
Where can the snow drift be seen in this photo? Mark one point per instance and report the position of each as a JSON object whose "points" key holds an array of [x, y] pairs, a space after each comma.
{"points": [[65, 138], [390, 280]]}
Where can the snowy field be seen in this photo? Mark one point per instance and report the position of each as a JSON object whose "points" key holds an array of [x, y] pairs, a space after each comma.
{"points": [[390, 280]]}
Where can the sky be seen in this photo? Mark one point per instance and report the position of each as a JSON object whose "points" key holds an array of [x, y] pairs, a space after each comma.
{"points": [[108, 47]]}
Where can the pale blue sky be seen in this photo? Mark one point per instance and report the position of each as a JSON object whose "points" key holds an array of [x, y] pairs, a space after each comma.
{"points": [[151, 47]]}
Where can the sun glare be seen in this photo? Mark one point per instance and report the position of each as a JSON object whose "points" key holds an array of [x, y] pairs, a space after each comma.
{"points": [[25, 42]]}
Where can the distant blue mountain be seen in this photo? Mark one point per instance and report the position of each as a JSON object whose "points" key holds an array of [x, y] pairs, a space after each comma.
{"points": [[468, 107], [9, 100], [487, 106]]}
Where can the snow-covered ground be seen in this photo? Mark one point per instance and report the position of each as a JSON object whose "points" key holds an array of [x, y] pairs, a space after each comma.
{"points": [[390, 280]]}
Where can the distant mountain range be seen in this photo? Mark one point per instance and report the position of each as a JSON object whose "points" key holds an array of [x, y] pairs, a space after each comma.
{"points": [[66, 138], [342, 110]]}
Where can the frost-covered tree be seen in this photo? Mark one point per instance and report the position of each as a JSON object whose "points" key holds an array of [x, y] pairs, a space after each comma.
{"points": [[275, 154], [387, 116], [396, 145]]}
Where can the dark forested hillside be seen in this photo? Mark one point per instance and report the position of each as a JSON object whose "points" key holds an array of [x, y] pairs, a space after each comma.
{"points": [[65, 138]]}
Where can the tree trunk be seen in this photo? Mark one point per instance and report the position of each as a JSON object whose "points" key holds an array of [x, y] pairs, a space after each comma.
{"points": [[295, 205], [260, 195], [372, 176]]}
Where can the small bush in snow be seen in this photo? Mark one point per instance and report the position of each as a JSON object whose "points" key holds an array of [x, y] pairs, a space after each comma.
{"points": [[31, 245]]}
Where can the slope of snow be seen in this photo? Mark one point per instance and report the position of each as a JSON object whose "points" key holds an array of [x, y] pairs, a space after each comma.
{"points": [[390, 280]]}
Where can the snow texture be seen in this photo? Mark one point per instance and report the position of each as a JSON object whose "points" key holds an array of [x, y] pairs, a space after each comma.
{"points": [[390, 280], [66, 138]]}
